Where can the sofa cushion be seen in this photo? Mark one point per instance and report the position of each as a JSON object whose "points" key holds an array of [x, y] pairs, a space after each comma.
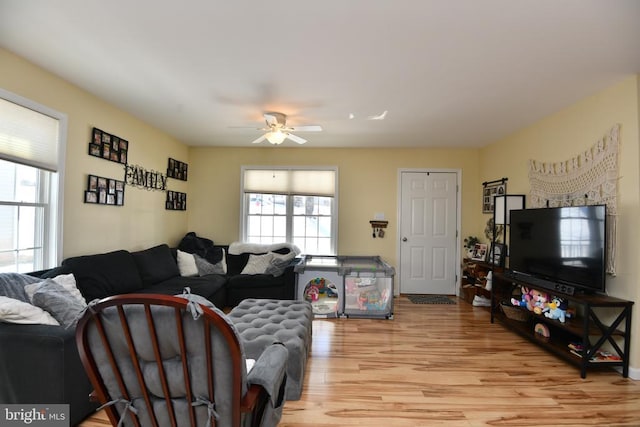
{"points": [[67, 281], [186, 264], [235, 263], [206, 286], [205, 267], [103, 275], [257, 264], [155, 264], [279, 263], [16, 311], [60, 303], [255, 281]]}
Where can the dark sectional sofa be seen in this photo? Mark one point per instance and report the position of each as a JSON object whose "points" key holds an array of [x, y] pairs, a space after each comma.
{"points": [[40, 363]]}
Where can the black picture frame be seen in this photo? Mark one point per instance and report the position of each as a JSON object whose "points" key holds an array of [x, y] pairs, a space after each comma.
{"points": [[177, 169], [176, 201], [497, 254], [479, 252], [108, 146], [489, 191], [104, 191]]}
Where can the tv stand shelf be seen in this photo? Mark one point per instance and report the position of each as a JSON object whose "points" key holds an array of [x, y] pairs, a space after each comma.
{"points": [[585, 329]]}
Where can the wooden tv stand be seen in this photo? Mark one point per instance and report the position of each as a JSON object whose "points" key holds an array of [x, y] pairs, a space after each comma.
{"points": [[585, 329]]}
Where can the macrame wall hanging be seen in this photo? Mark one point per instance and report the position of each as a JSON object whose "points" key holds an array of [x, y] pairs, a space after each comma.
{"points": [[590, 178]]}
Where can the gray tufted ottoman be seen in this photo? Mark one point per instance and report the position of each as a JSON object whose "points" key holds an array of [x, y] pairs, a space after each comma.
{"points": [[262, 322]]}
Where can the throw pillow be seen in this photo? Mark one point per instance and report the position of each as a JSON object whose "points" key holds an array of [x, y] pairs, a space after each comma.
{"points": [[258, 264], [155, 264], [205, 267], [187, 264], [279, 263], [67, 281], [54, 298], [16, 311], [12, 285]]}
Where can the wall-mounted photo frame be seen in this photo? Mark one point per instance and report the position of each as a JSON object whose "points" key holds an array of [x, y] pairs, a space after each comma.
{"points": [[104, 191], [497, 254], [176, 201], [177, 169], [108, 146], [479, 252], [490, 190]]}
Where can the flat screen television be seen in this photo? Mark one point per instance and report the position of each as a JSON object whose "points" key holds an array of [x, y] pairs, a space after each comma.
{"points": [[559, 248]]}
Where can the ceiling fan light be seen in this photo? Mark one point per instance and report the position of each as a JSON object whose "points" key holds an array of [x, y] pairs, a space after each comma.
{"points": [[276, 137]]}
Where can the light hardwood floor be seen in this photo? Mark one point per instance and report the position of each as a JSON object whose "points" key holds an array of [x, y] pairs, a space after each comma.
{"points": [[446, 365]]}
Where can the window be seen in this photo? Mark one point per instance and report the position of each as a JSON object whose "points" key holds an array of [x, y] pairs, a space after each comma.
{"points": [[30, 172], [291, 205]]}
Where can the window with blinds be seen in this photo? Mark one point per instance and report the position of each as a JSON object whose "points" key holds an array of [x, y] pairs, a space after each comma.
{"points": [[31, 138], [292, 205]]}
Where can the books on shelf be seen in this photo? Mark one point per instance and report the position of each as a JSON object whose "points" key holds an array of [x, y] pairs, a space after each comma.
{"points": [[600, 356]]}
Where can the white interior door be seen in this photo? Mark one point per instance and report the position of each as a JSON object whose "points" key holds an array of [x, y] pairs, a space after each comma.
{"points": [[428, 232]]}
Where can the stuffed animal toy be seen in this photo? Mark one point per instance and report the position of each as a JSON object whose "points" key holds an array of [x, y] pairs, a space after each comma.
{"points": [[538, 301], [524, 299], [557, 309]]}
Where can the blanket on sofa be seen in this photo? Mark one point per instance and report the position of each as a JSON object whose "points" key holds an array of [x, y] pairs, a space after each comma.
{"points": [[237, 248]]}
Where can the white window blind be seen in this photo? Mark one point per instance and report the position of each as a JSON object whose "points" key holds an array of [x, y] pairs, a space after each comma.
{"points": [[290, 181], [28, 137]]}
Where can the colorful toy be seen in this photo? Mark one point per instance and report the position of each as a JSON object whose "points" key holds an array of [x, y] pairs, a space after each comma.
{"points": [[538, 301], [524, 298], [312, 293], [532, 299], [557, 309]]}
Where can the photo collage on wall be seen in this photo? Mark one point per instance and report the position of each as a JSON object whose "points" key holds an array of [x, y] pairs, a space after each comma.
{"points": [[177, 169], [108, 146], [104, 191], [490, 190], [176, 201]]}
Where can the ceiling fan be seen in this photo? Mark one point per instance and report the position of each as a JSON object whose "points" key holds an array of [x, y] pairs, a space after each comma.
{"points": [[277, 130]]}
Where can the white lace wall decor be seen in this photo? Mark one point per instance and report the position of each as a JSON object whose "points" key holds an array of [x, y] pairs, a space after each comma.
{"points": [[590, 178]]}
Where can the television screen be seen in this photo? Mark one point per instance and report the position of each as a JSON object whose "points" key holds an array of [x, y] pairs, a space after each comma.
{"points": [[560, 245]]}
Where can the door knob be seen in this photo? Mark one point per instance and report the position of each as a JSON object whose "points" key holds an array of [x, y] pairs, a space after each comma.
{"points": [[404, 239]]}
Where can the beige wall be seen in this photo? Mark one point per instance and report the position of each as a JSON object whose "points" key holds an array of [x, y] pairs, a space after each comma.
{"points": [[142, 221], [368, 183], [563, 136]]}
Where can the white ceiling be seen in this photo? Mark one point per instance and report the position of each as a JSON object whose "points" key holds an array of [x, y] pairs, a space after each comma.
{"points": [[451, 73]]}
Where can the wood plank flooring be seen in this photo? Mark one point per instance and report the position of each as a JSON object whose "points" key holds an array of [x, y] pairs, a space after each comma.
{"points": [[446, 365]]}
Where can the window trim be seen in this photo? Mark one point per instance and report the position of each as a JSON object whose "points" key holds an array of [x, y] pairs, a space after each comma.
{"points": [[244, 205], [53, 237]]}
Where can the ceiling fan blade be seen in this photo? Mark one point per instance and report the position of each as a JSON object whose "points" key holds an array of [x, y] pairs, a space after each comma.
{"points": [[296, 138], [310, 128], [259, 140]]}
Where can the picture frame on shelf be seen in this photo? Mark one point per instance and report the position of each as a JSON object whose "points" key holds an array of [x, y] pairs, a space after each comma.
{"points": [[497, 254], [479, 252]]}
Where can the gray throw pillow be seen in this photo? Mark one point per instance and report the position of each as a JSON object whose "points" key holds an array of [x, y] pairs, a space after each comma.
{"points": [[279, 263], [59, 302], [205, 267]]}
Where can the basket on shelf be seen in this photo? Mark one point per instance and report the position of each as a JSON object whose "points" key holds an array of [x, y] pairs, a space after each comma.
{"points": [[514, 313]]}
